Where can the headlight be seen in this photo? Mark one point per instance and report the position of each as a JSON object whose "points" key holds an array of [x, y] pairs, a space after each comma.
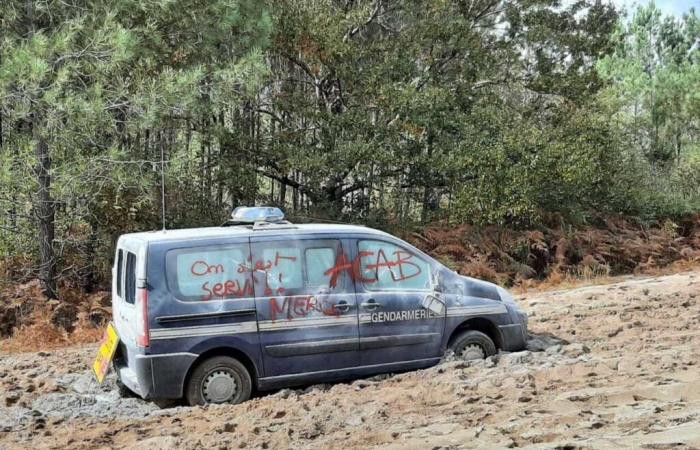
{"points": [[507, 298]]}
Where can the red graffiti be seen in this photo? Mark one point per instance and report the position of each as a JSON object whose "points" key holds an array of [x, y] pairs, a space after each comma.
{"points": [[263, 265], [399, 262], [354, 268], [228, 289], [201, 268], [266, 266], [278, 257], [293, 307], [342, 264], [269, 291], [400, 265]]}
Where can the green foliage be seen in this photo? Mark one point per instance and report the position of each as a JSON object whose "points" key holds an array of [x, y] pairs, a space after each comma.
{"points": [[528, 166], [386, 112], [653, 103], [108, 86], [655, 75]]}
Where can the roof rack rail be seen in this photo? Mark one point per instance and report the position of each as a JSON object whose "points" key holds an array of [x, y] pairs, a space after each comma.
{"points": [[281, 225], [318, 219]]}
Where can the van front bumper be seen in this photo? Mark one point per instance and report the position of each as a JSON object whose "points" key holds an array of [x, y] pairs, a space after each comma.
{"points": [[154, 376], [514, 336]]}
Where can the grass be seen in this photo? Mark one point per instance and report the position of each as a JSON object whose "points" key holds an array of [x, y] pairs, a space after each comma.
{"points": [[41, 334], [525, 259]]}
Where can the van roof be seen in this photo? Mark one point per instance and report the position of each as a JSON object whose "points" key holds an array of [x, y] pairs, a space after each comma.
{"points": [[247, 231]]}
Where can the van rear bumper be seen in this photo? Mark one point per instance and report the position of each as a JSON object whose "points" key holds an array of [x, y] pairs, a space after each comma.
{"points": [[155, 376]]}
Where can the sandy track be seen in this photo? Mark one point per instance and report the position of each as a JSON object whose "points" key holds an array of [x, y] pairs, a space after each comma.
{"points": [[628, 377]]}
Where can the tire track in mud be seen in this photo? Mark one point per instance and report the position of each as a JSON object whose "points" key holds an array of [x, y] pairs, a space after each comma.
{"points": [[609, 366]]}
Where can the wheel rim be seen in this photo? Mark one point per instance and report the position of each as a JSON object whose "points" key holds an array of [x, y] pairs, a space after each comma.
{"points": [[472, 351], [219, 386]]}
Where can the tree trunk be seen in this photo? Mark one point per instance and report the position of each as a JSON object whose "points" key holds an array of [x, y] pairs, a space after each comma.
{"points": [[90, 276], [283, 195], [295, 192], [45, 211], [430, 203]]}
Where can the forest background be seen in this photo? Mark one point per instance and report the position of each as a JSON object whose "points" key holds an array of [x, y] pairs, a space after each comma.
{"points": [[514, 140]]}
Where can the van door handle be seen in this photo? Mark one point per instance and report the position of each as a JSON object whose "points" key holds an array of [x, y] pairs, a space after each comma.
{"points": [[371, 304], [342, 306]]}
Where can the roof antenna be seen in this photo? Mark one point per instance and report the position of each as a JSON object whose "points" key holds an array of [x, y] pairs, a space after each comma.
{"points": [[162, 182]]}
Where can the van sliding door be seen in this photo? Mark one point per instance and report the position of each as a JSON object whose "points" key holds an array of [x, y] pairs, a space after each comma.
{"points": [[307, 314]]}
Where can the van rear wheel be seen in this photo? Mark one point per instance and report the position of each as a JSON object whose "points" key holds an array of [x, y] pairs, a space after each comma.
{"points": [[220, 379], [472, 344]]}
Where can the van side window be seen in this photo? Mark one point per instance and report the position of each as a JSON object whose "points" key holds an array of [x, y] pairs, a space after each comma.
{"points": [[283, 267], [210, 273], [120, 272], [315, 260], [130, 282], [385, 267], [303, 267]]}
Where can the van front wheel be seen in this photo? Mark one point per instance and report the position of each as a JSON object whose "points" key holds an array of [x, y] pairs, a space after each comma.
{"points": [[472, 344], [220, 379]]}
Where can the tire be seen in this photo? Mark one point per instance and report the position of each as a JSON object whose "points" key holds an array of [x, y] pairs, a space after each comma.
{"points": [[471, 344], [220, 379]]}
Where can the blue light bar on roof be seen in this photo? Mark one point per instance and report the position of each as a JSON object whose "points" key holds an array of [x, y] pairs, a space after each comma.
{"points": [[252, 214]]}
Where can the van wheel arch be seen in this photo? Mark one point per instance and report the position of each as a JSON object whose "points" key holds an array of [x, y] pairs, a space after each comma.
{"points": [[224, 351], [478, 324]]}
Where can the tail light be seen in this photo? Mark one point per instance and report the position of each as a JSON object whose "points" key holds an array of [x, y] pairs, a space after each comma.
{"points": [[143, 335]]}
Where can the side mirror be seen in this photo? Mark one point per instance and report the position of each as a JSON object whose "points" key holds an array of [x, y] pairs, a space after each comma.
{"points": [[433, 304]]}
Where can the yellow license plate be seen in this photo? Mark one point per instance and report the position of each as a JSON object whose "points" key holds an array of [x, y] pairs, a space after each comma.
{"points": [[108, 346]]}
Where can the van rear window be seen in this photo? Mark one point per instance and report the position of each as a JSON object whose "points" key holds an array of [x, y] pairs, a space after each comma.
{"points": [[130, 282], [120, 272], [210, 273]]}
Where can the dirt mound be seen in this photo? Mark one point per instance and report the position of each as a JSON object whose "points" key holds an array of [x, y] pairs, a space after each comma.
{"points": [[607, 367]]}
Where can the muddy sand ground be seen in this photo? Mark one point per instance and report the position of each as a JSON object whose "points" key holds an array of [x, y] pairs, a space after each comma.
{"points": [[613, 366]]}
